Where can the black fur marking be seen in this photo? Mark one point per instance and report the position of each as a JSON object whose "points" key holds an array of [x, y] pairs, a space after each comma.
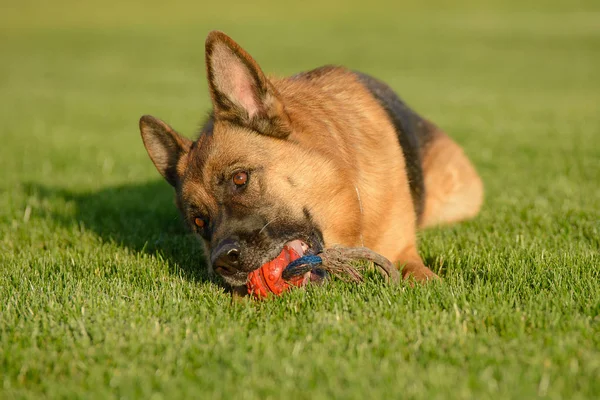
{"points": [[209, 125], [307, 214], [315, 73], [414, 134]]}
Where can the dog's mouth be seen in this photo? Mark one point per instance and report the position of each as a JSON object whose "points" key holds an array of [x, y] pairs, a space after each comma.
{"points": [[299, 247], [289, 250]]}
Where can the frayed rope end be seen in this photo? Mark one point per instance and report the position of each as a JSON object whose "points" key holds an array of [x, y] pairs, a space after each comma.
{"points": [[337, 261]]}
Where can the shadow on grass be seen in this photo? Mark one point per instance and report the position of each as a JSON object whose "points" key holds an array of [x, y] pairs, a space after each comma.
{"points": [[141, 217]]}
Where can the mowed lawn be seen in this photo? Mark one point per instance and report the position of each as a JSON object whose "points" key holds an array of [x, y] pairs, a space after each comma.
{"points": [[103, 292]]}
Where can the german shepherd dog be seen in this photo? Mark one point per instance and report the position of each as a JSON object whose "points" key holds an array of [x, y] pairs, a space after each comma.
{"points": [[328, 157]]}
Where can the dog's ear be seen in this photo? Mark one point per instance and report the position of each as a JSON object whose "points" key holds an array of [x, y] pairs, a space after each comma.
{"points": [[165, 147], [239, 89]]}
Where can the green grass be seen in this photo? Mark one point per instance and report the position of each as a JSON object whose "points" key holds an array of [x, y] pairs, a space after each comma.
{"points": [[102, 291]]}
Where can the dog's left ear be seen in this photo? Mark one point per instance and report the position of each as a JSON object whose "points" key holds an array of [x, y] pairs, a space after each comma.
{"points": [[239, 89]]}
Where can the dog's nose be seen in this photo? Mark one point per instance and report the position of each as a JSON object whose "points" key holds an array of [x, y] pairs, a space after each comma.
{"points": [[225, 258]]}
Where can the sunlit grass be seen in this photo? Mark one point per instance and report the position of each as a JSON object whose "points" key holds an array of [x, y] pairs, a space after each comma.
{"points": [[102, 291]]}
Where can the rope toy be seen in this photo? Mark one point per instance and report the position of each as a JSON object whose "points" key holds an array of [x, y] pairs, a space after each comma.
{"points": [[336, 262]]}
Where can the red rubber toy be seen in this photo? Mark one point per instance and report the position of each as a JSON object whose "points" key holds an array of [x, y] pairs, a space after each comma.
{"points": [[267, 279]]}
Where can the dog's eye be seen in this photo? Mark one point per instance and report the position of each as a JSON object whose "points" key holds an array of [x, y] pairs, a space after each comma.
{"points": [[199, 222], [240, 178]]}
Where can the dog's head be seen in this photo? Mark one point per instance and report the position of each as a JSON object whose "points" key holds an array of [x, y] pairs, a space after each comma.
{"points": [[245, 185]]}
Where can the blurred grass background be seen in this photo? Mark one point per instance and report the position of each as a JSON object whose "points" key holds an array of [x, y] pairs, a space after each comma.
{"points": [[101, 289]]}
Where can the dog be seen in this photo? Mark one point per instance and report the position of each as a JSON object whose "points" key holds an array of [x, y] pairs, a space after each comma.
{"points": [[328, 157]]}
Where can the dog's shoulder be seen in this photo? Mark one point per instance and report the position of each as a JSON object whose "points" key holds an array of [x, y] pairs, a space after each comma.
{"points": [[414, 133]]}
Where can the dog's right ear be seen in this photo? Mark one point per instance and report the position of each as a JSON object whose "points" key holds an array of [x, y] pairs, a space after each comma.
{"points": [[165, 147]]}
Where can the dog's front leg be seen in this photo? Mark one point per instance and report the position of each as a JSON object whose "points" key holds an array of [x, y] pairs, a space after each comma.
{"points": [[411, 266]]}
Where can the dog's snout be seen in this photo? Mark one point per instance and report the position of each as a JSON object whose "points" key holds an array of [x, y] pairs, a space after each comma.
{"points": [[225, 258]]}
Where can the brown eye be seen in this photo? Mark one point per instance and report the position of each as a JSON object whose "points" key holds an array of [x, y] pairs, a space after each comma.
{"points": [[199, 222], [240, 178]]}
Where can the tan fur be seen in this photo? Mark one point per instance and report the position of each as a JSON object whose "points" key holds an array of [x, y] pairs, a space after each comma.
{"points": [[357, 138], [318, 142], [454, 189]]}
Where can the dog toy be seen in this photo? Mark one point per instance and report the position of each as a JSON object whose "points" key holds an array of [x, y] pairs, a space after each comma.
{"points": [[268, 278], [290, 270]]}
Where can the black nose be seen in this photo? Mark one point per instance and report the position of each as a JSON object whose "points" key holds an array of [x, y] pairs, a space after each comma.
{"points": [[225, 258]]}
